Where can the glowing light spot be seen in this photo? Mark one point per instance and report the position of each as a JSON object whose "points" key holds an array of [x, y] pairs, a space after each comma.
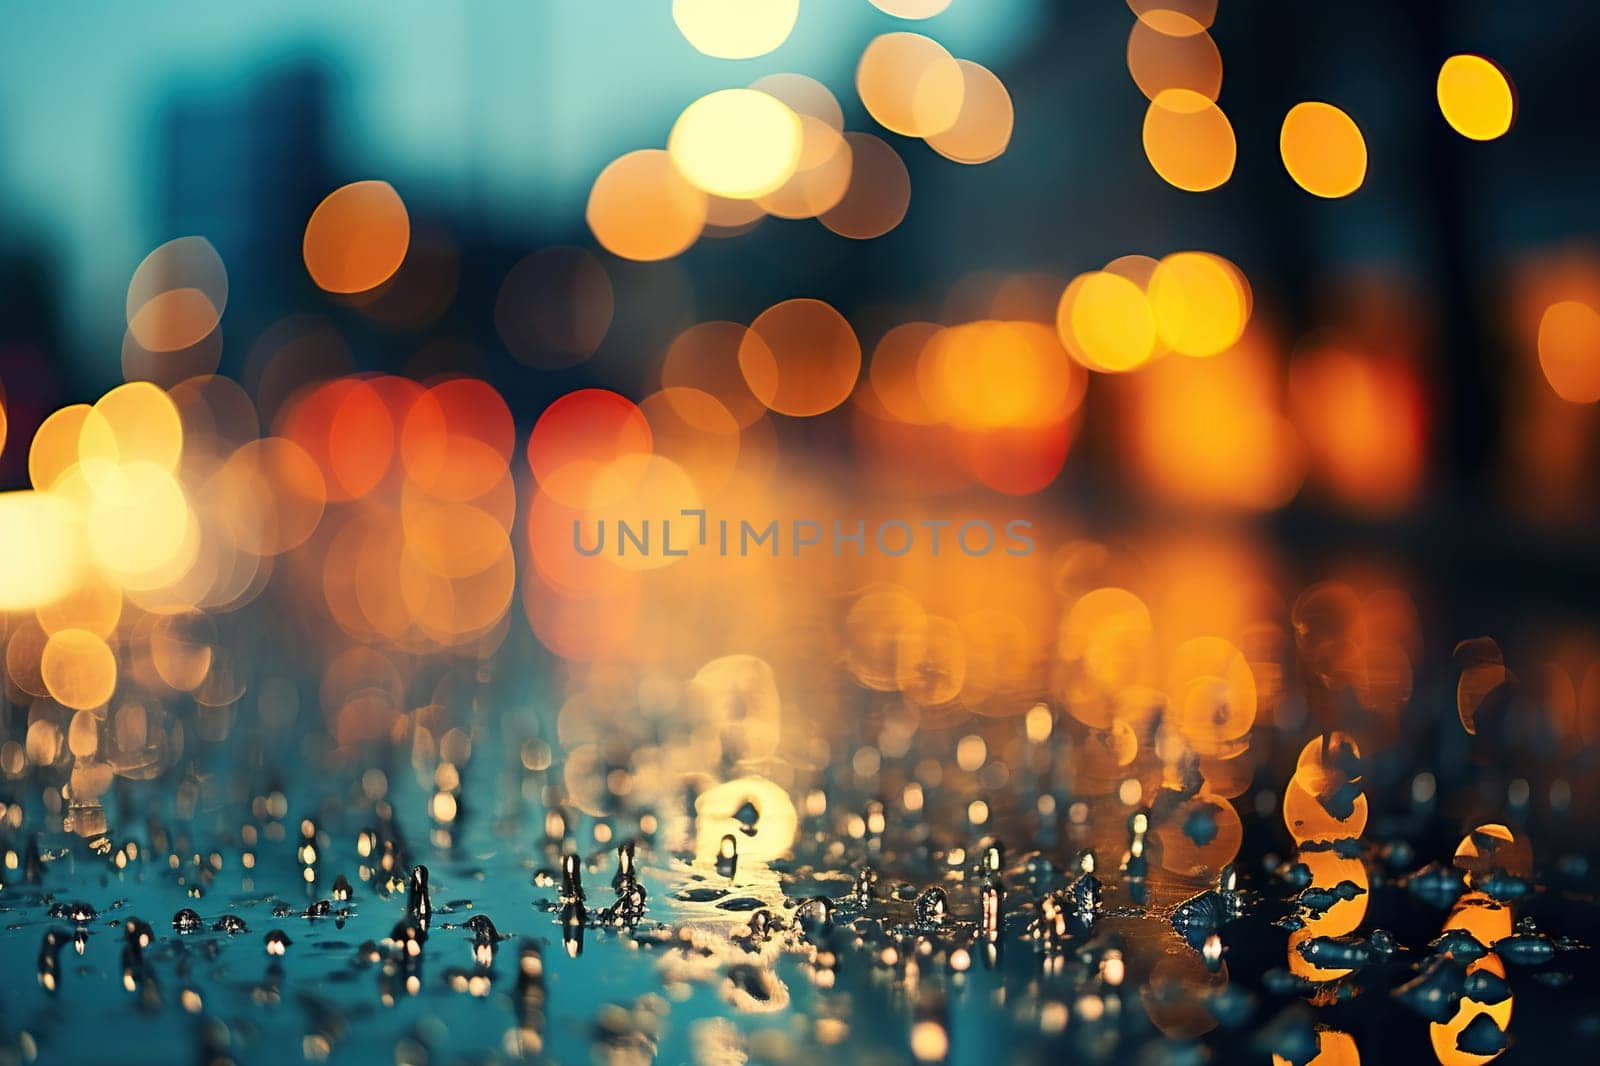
{"points": [[806, 96], [1214, 692], [1202, 854], [1106, 320], [136, 422], [1328, 763], [911, 9], [821, 179], [1160, 59], [1323, 150], [1490, 846], [1306, 818], [738, 143], [893, 372], [694, 430], [41, 541], [735, 29], [94, 604], [1569, 350], [1209, 432], [450, 539], [982, 129], [997, 375], [269, 496], [1040, 723], [1188, 140], [181, 646], [580, 433], [1199, 302], [910, 84], [346, 426], [1475, 97], [1445, 1036], [458, 439], [879, 192], [717, 814], [641, 207], [930, 1041], [807, 361], [54, 450], [138, 524], [931, 662], [176, 295], [736, 696], [79, 669], [1175, 17], [729, 218], [1106, 636], [357, 237], [706, 357]]}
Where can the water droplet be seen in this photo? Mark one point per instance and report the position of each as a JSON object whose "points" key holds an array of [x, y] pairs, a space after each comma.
{"points": [[815, 915], [572, 923], [79, 913], [728, 855], [419, 904], [932, 906], [571, 881]]}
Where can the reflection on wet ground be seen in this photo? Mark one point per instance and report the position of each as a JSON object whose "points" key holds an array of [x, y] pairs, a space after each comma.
{"points": [[734, 925]]}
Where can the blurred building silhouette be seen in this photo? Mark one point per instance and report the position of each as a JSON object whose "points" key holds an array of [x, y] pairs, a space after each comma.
{"points": [[30, 370], [245, 168]]}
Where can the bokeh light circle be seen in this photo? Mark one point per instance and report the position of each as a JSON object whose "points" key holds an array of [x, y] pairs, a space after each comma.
{"points": [[735, 29], [1475, 97], [1323, 150], [982, 128], [131, 423], [911, 9], [1106, 321], [879, 193], [706, 357], [177, 295], [1200, 307], [580, 433], [1569, 350], [1188, 140], [910, 84], [79, 669], [807, 361], [737, 143], [641, 207], [357, 237], [1159, 59]]}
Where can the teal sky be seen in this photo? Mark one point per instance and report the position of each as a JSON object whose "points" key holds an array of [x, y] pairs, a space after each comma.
{"points": [[501, 110]]}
